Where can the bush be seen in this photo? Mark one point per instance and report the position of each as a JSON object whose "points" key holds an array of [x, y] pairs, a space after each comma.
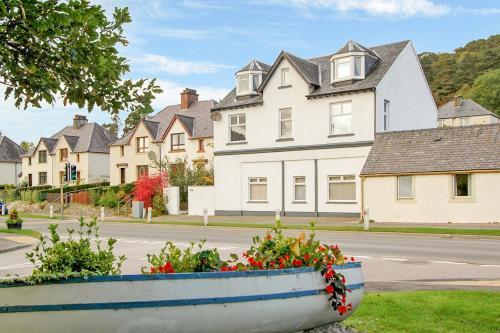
{"points": [[11, 194], [74, 257], [158, 204], [148, 186], [76, 187], [109, 199], [14, 217]]}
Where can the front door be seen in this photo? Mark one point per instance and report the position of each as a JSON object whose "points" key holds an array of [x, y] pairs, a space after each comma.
{"points": [[30, 179], [122, 176]]}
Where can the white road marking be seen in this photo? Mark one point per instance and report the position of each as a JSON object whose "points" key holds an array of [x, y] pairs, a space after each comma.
{"points": [[22, 265], [447, 262], [484, 265], [393, 259]]}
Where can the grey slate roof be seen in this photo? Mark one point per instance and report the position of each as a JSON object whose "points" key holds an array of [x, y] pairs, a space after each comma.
{"points": [[444, 149], [352, 46], [71, 140], [202, 126], [9, 150], [320, 82], [467, 108], [187, 122], [255, 65]]}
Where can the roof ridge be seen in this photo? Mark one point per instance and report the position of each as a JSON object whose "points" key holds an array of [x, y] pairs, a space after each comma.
{"points": [[446, 128]]}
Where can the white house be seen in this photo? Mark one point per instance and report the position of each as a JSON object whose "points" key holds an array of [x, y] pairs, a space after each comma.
{"points": [[10, 161], [294, 136], [464, 112], [442, 175], [181, 132]]}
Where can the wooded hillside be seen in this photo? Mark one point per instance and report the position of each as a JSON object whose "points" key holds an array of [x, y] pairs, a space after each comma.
{"points": [[472, 71]]}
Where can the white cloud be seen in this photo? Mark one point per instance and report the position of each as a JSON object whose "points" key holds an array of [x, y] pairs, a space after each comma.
{"points": [[388, 8], [155, 63]]}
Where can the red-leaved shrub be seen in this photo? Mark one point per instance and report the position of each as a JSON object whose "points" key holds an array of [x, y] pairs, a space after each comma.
{"points": [[147, 186]]}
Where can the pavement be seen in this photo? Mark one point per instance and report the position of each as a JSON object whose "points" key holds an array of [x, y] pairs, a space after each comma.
{"points": [[12, 242], [390, 261]]}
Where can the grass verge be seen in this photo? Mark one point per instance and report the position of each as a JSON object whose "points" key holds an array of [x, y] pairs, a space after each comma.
{"points": [[413, 230], [24, 232], [429, 312]]}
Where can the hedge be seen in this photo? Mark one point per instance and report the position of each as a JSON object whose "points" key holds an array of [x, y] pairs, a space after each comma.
{"points": [[75, 187]]}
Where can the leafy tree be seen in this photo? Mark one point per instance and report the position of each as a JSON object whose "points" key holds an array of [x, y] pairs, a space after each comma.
{"points": [[114, 126], [67, 48], [134, 117], [27, 145], [486, 90]]}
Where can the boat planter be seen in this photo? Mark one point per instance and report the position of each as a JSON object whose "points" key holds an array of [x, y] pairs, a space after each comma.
{"points": [[17, 225], [282, 300]]}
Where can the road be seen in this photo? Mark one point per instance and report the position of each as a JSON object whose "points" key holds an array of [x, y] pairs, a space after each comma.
{"points": [[390, 261]]}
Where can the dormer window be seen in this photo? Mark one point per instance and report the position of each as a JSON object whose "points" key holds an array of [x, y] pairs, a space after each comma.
{"points": [[348, 68], [248, 83]]}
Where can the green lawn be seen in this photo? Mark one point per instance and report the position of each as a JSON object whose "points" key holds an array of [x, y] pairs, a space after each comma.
{"points": [[24, 232], [428, 312], [416, 230]]}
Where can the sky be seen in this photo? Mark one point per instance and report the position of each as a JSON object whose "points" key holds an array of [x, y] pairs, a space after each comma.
{"points": [[200, 44]]}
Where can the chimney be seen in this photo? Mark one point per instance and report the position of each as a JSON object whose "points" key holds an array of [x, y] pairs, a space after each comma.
{"points": [[79, 121], [457, 101], [188, 96]]}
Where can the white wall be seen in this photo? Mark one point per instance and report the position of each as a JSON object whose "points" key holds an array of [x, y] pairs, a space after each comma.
{"points": [[9, 172], [199, 198], [98, 167], [411, 102], [476, 120], [433, 201]]}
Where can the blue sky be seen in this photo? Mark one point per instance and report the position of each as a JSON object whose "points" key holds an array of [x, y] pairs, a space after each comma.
{"points": [[200, 44]]}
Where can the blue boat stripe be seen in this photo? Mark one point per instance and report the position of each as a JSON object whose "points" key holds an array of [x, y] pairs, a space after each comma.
{"points": [[164, 303], [182, 276]]}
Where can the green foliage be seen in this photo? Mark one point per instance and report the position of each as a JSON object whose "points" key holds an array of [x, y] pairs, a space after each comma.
{"points": [[486, 90], [76, 187], [14, 217], [172, 259], [134, 117], [11, 194], [76, 257], [453, 73], [69, 49], [158, 204], [109, 199], [27, 145]]}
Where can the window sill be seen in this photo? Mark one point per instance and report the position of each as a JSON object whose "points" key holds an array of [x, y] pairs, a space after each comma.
{"points": [[285, 87], [257, 201], [340, 135], [236, 143], [284, 139], [178, 151], [299, 202], [463, 200], [342, 202]]}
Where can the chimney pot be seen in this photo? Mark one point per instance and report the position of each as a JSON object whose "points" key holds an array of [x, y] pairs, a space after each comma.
{"points": [[79, 121], [188, 96], [457, 101]]}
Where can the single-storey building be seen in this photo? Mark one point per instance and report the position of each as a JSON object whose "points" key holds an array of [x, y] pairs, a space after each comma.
{"points": [[464, 112], [441, 175]]}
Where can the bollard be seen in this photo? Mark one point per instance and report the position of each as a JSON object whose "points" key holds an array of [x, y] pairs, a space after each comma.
{"points": [[144, 213], [366, 219], [150, 211], [205, 216], [3, 208], [102, 214], [277, 215], [51, 211]]}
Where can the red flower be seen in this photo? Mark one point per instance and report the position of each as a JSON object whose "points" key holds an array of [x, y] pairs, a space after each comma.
{"points": [[342, 309], [306, 256], [153, 270], [329, 289], [269, 237], [352, 258], [297, 262], [343, 279], [329, 275], [281, 265]]}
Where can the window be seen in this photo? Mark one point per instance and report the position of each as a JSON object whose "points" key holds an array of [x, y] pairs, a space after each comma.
{"points": [[357, 66], [258, 189], [123, 179], [342, 188], [237, 128], [177, 141], [255, 82], [247, 83], [405, 187], [462, 185], [122, 151], [285, 77], [464, 121], [440, 123], [42, 178], [142, 144], [343, 68], [29, 160], [201, 145], [285, 123], [243, 84], [63, 154], [142, 170], [42, 156], [340, 118], [299, 188], [77, 158], [386, 115]]}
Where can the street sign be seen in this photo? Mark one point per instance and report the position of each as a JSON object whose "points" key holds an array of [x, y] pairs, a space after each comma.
{"points": [[73, 173], [70, 173]]}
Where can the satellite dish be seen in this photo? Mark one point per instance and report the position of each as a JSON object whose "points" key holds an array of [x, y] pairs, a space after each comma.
{"points": [[152, 156], [215, 116]]}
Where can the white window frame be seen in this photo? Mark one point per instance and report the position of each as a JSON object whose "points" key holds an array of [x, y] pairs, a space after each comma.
{"points": [[454, 184], [303, 184], [258, 181], [285, 77], [341, 103], [341, 181], [248, 78], [464, 121], [281, 120], [346, 60], [387, 115], [237, 124], [351, 59], [412, 187]]}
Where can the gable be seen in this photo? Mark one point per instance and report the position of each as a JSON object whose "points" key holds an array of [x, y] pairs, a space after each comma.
{"points": [[273, 85], [179, 124]]}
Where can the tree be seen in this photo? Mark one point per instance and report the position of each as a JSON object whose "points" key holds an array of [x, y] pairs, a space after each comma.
{"points": [[26, 145], [486, 90], [67, 49], [146, 187], [134, 117], [114, 126]]}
